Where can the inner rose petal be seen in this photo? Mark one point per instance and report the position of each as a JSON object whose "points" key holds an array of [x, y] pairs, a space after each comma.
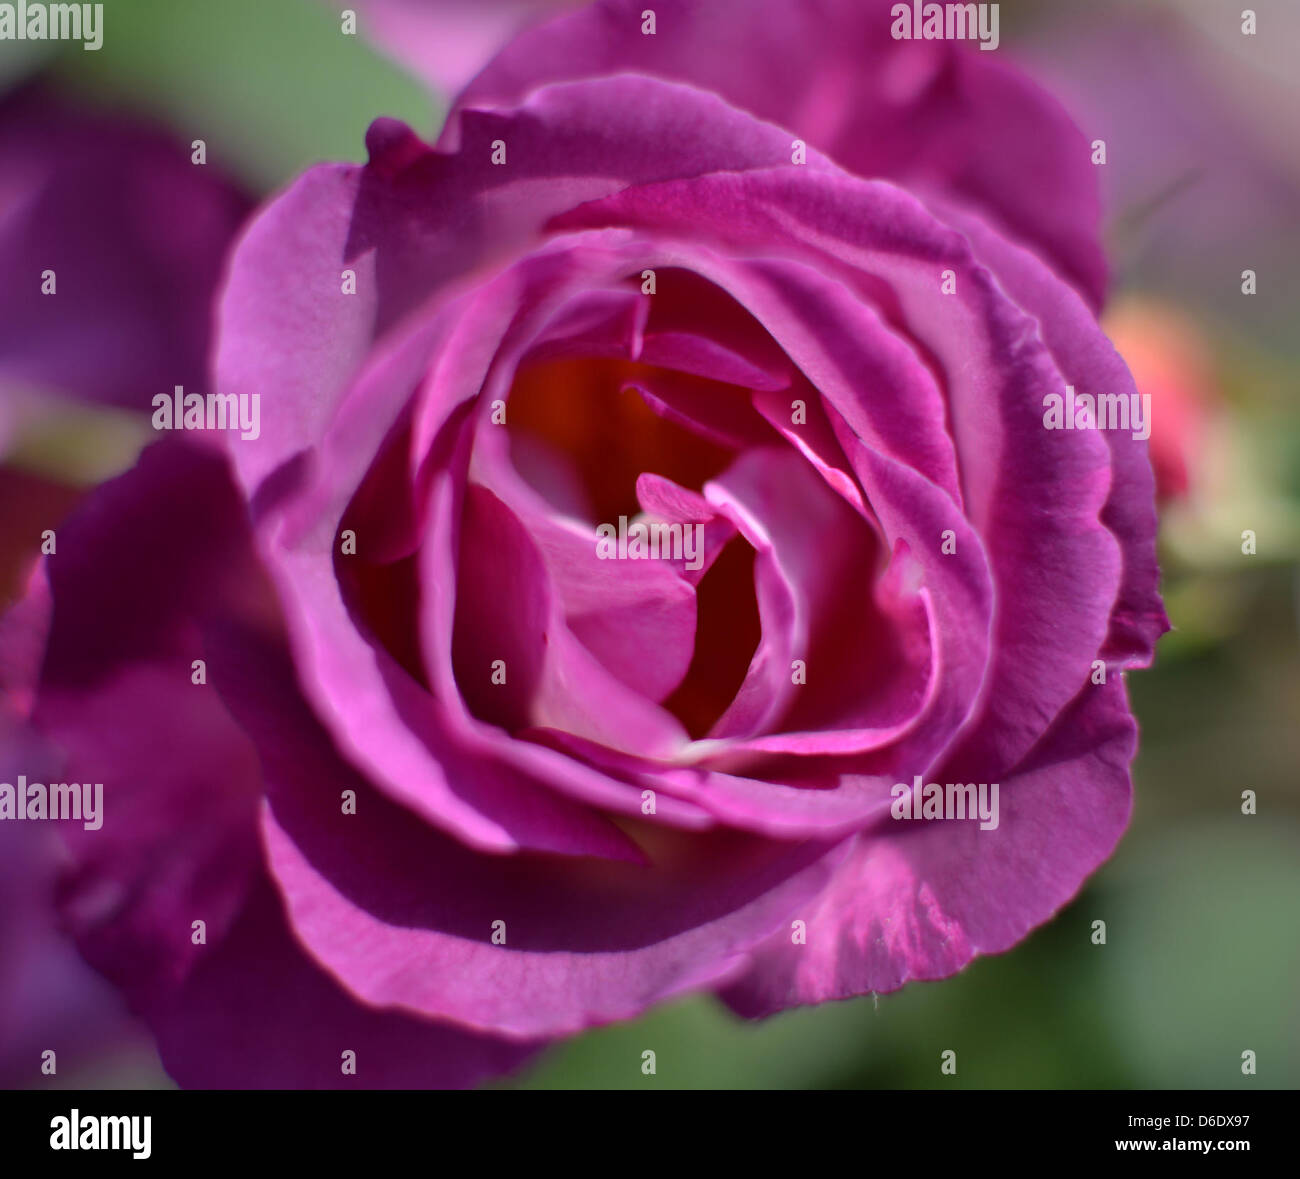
{"points": [[727, 635], [581, 409]]}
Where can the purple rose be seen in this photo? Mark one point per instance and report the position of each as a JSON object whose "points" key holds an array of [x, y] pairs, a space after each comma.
{"points": [[660, 573]]}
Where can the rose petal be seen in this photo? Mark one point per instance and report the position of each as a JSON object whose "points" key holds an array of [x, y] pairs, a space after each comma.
{"points": [[403, 915], [918, 900], [932, 115], [258, 1013]]}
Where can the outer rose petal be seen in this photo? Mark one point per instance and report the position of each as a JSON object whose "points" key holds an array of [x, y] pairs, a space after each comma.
{"points": [[258, 1013], [403, 916], [918, 900], [933, 115], [1083, 353], [135, 234]]}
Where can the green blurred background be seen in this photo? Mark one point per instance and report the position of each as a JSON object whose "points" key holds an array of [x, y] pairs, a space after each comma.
{"points": [[1201, 902]]}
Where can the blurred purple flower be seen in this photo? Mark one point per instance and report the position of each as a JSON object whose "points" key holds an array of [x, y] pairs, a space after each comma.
{"points": [[135, 235]]}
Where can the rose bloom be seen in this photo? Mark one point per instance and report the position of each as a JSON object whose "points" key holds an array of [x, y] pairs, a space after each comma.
{"points": [[445, 778]]}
